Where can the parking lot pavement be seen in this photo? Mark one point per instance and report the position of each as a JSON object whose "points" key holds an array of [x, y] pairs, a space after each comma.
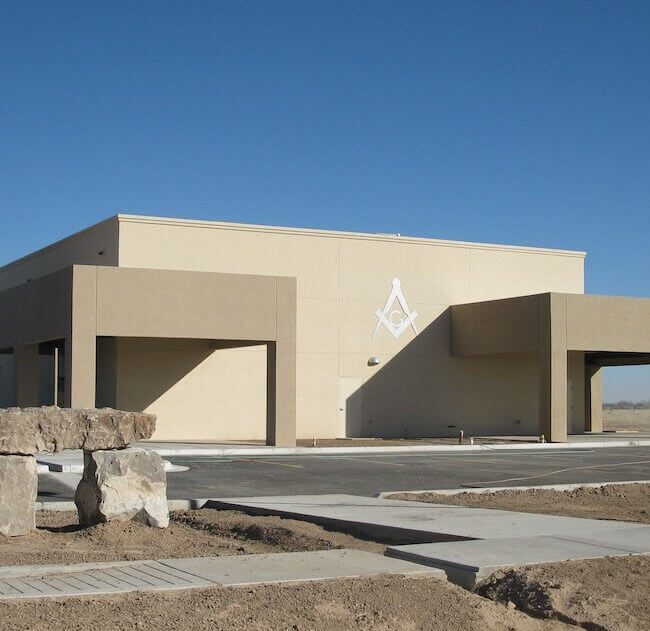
{"points": [[359, 474]]}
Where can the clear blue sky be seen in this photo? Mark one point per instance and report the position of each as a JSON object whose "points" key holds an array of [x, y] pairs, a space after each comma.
{"points": [[516, 122]]}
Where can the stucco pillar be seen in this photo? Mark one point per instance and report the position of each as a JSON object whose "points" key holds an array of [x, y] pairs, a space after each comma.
{"points": [[593, 398], [281, 369], [26, 375], [553, 373], [576, 392], [81, 341]]}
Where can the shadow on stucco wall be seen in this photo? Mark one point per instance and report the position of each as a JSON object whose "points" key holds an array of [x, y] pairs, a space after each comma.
{"points": [[424, 391]]}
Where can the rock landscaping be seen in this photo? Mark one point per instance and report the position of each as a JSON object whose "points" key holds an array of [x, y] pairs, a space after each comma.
{"points": [[117, 484], [122, 485]]}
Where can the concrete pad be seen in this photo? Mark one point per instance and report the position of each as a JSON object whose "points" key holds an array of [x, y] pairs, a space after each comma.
{"points": [[634, 540], [72, 462], [467, 562], [401, 521], [220, 449], [86, 579], [297, 566]]}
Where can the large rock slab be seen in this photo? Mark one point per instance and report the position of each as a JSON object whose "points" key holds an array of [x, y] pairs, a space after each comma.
{"points": [[30, 430], [18, 485], [122, 485]]}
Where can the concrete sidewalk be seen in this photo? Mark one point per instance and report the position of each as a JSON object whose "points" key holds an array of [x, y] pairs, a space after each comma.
{"points": [[468, 543], [92, 579], [467, 562], [417, 522], [597, 441]]}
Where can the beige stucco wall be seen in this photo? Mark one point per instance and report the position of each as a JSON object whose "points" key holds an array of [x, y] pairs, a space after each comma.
{"points": [[342, 279], [6, 380], [621, 324], [576, 392], [190, 347], [419, 388], [209, 393], [97, 245]]}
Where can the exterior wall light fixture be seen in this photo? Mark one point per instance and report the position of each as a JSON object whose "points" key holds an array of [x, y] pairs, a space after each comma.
{"points": [[374, 361]]}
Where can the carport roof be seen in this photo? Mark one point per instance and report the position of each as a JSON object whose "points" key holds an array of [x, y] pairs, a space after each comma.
{"points": [[611, 328]]}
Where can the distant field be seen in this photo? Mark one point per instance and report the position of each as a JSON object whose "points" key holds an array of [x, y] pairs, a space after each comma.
{"points": [[638, 420]]}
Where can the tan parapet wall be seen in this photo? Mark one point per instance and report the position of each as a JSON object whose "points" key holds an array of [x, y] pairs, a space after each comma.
{"points": [[97, 245]]}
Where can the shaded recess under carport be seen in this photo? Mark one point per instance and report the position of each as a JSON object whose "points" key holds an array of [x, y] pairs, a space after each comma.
{"points": [[572, 335], [74, 308]]}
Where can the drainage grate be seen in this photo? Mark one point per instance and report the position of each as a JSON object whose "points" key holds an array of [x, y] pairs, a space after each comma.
{"points": [[123, 578]]}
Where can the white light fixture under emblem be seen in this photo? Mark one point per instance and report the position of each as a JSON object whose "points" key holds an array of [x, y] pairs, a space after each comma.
{"points": [[374, 361]]}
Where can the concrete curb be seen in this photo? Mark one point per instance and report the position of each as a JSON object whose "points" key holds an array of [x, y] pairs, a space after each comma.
{"points": [[333, 451], [60, 505], [48, 465], [495, 489]]}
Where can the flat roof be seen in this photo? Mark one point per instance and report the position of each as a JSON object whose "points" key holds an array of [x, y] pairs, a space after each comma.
{"points": [[314, 232], [338, 234]]}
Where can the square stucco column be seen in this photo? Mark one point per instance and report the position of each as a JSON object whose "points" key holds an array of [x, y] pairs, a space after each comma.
{"points": [[26, 375], [553, 372], [593, 399], [81, 341], [281, 369]]}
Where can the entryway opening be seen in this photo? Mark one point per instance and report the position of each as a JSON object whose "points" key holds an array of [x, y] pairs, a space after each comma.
{"points": [[200, 390], [626, 399]]}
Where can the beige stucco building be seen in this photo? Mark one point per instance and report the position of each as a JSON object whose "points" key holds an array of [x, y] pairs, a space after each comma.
{"points": [[230, 331]]}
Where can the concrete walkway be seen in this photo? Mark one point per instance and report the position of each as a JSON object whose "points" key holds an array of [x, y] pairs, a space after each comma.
{"points": [[468, 543], [582, 441], [91, 579], [417, 522], [467, 562]]}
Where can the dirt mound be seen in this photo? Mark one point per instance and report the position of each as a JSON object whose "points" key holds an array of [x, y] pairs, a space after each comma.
{"points": [[597, 594], [625, 502], [390, 603], [204, 532], [279, 534]]}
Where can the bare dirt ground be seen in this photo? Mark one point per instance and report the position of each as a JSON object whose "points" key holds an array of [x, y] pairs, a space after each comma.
{"points": [[597, 594], [630, 420], [378, 604], [626, 502], [205, 532], [374, 603]]}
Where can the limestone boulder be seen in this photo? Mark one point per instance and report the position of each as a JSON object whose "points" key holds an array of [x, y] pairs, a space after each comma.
{"points": [[122, 485], [18, 485], [30, 430]]}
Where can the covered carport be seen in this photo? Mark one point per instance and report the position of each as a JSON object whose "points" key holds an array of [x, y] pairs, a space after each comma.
{"points": [[77, 310], [572, 337]]}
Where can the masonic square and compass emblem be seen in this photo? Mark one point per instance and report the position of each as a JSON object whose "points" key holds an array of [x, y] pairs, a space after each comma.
{"points": [[396, 315]]}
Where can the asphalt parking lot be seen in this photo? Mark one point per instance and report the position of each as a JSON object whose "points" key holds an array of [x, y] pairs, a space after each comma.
{"points": [[360, 474], [370, 474]]}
